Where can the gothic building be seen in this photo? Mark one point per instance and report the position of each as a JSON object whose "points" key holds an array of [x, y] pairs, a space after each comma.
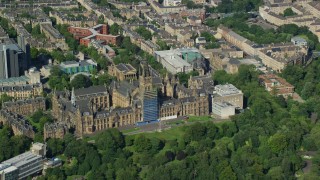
{"points": [[147, 99]]}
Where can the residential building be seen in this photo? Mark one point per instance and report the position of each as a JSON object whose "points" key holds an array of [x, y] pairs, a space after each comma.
{"points": [[53, 35], [76, 19], [194, 20], [274, 56], [98, 32], [276, 85], [149, 46]]}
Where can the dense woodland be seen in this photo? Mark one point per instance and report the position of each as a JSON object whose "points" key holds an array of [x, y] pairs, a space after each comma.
{"points": [[265, 141]]}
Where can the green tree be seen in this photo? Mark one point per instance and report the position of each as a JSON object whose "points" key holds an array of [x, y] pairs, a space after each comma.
{"points": [[289, 12], [34, 52], [101, 20], [80, 81], [115, 29], [145, 33], [142, 144], [163, 45], [278, 142], [5, 98]]}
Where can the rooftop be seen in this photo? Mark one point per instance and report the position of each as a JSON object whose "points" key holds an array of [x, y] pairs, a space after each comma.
{"points": [[227, 89], [22, 159]]}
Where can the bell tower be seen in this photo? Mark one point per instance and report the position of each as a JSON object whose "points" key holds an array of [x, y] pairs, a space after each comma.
{"points": [[145, 78]]}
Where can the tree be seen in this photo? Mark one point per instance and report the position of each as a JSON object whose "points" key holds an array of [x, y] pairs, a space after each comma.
{"points": [[307, 90], [278, 142], [228, 173], [101, 20], [142, 144], [288, 12], [58, 55], [34, 52], [55, 147], [5, 98], [169, 155], [47, 9], [146, 34], [58, 79], [80, 81], [163, 45], [115, 29]]}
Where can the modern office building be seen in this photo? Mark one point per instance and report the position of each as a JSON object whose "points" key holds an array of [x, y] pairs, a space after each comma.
{"points": [[73, 67], [150, 108], [8, 172], [228, 93], [26, 48], [223, 110], [13, 61], [24, 165], [182, 60]]}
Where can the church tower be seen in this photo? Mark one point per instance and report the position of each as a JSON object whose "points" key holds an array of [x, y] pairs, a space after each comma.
{"points": [[149, 95], [145, 77]]}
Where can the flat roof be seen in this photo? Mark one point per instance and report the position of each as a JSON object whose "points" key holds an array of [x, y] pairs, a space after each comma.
{"points": [[22, 159], [14, 79], [227, 89]]}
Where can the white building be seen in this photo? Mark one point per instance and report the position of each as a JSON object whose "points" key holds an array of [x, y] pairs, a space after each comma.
{"points": [[223, 110], [200, 40], [299, 41], [173, 62], [228, 93], [25, 164], [171, 3]]}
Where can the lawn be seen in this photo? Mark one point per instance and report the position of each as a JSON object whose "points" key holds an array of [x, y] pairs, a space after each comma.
{"points": [[170, 134], [199, 118], [176, 122], [131, 130], [36, 125]]}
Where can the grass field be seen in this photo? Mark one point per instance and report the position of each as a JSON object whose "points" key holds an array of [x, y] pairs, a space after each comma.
{"points": [[131, 130], [199, 118], [170, 134], [179, 122]]}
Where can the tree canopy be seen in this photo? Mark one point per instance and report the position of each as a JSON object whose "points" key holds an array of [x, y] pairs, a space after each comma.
{"points": [[289, 12], [80, 81]]}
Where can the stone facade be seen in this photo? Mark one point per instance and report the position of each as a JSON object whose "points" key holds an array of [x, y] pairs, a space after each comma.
{"points": [[22, 91], [123, 72], [19, 124], [25, 107], [54, 130]]}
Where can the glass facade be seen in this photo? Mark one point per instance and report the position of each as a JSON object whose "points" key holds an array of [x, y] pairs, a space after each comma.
{"points": [[150, 106]]}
